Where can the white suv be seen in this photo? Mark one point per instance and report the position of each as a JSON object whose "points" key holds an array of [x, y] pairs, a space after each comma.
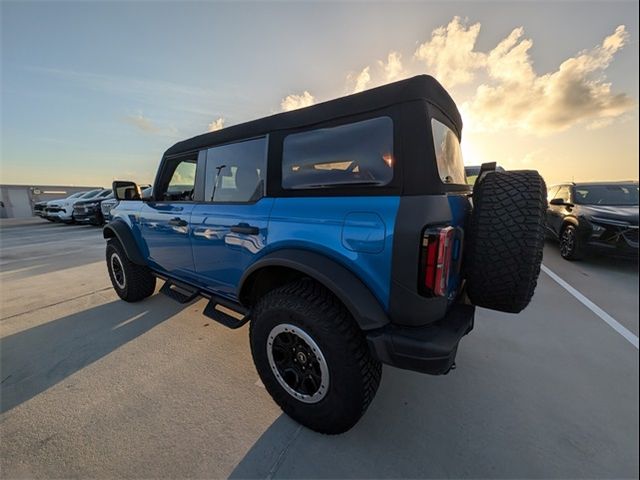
{"points": [[63, 209]]}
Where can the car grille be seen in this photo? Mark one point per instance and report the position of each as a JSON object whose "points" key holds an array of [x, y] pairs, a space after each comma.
{"points": [[618, 235]]}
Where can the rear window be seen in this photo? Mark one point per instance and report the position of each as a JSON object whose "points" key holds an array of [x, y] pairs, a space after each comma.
{"points": [[359, 153], [448, 154]]}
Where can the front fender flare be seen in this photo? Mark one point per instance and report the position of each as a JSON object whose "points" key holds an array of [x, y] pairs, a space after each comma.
{"points": [[120, 230], [355, 295]]}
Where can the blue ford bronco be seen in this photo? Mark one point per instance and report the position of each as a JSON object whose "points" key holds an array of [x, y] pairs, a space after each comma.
{"points": [[345, 233]]}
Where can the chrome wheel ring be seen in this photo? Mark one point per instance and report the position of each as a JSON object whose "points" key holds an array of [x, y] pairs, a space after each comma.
{"points": [[298, 363], [117, 271]]}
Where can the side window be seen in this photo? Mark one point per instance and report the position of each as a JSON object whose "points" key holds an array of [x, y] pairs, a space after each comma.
{"points": [[353, 154], [182, 178], [448, 154], [235, 172], [551, 194]]}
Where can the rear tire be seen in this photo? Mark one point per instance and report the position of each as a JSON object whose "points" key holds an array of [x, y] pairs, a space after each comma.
{"points": [[506, 240], [131, 282], [341, 376]]}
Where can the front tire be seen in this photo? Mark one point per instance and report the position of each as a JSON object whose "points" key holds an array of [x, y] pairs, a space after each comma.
{"points": [[312, 357], [131, 282], [570, 248]]}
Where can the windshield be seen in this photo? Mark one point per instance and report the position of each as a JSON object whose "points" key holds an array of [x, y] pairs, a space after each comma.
{"points": [[91, 194], [606, 194]]}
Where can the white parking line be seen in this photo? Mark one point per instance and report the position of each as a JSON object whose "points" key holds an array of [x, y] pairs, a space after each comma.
{"points": [[612, 322]]}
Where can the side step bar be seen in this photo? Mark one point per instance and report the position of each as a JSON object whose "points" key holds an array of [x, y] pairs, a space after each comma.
{"points": [[180, 292], [228, 313]]}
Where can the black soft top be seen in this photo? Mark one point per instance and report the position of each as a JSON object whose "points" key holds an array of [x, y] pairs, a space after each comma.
{"points": [[421, 87]]}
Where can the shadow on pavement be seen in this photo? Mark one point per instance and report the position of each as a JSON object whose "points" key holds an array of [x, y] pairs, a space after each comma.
{"points": [[34, 360]]}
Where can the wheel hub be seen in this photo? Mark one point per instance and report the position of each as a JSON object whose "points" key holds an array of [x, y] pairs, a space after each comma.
{"points": [[298, 363], [117, 270]]}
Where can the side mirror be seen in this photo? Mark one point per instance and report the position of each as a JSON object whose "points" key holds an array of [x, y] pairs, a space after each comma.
{"points": [[124, 190], [559, 202]]}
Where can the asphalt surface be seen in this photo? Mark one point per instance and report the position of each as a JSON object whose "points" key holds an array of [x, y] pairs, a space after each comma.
{"points": [[94, 387]]}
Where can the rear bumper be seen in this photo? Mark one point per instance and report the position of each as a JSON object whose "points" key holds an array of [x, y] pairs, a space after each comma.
{"points": [[428, 349]]}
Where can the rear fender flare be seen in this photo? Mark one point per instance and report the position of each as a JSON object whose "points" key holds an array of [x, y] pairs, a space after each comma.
{"points": [[345, 285]]}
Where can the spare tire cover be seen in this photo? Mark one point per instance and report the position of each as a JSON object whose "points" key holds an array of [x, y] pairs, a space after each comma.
{"points": [[505, 239]]}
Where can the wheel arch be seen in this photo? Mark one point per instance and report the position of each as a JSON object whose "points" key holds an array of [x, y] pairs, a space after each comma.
{"points": [[566, 221], [122, 232], [284, 266]]}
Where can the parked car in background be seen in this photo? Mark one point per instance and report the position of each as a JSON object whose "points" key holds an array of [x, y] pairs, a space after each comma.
{"points": [[89, 211], [52, 207], [600, 217], [62, 210]]}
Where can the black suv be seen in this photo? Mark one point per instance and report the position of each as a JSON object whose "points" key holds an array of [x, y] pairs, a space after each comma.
{"points": [[599, 217]]}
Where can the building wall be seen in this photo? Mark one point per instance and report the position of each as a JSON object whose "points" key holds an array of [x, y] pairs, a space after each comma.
{"points": [[17, 201]]}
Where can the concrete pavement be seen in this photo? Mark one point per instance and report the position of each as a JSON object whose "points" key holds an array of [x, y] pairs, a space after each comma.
{"points": [[94, 387]]}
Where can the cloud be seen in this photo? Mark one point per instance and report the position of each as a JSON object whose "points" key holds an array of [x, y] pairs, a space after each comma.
{"points": [[217, 124], [576, 93], [392, 69], [142, 123], [450, 54], [295, 101], [361, 80]]}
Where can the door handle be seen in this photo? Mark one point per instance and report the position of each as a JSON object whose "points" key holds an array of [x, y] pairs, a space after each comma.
{"points": [[245, 228], [178, 222]]}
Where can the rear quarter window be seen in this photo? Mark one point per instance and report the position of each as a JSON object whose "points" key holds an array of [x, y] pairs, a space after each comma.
{"points": [[448, 154], [359, 153]]}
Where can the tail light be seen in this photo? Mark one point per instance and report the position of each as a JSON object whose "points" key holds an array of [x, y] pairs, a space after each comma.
{"points": [[437, 253]]}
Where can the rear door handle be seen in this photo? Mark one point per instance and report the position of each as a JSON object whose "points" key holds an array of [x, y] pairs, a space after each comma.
{"points": [[178, 222], [245, 228]]}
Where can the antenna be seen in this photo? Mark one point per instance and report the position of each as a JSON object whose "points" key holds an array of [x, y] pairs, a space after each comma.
{"points": [[215, 183]]}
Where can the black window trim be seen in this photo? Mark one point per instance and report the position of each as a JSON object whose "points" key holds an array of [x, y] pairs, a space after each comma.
{"points": [[205, 150], [274, 164], [162, 181]]}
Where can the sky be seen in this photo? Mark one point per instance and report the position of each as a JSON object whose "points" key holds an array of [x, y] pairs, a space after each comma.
{"points": [[96, 91]]}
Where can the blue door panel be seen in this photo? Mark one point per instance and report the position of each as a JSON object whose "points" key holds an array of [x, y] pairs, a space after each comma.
{"points": [[165, 232], [221, 255]]}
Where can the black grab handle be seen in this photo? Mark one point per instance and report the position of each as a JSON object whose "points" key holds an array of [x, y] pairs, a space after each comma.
{"points": [[245, 228]]}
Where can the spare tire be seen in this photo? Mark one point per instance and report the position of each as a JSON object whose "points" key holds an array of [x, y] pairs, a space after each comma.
{"points": [[505, 239]]}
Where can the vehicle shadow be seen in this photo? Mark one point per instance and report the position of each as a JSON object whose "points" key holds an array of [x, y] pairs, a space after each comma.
{"points": [[35, 359]]}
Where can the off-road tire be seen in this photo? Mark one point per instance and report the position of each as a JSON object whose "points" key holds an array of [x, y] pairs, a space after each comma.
{"points": [[354, 375], [570, 245], [137, 283], [505, 239]]}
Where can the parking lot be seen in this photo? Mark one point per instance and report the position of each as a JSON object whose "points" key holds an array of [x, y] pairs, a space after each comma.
{"points": [[95, 387]]}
